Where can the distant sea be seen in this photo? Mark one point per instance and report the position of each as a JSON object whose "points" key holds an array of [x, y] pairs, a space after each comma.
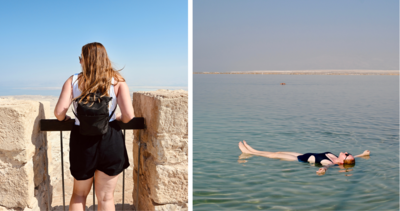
{"points": [[55, 91], [311, 113]]}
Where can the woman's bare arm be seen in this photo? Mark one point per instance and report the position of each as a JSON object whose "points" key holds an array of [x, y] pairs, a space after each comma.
{"points": [[365, 153], [321, 171], [64, 101], [125, 103]]}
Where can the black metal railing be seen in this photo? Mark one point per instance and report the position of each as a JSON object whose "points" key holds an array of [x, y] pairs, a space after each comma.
{"points": [[136, 123]]}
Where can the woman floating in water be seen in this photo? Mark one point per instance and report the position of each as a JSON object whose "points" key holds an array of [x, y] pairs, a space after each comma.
{"points": [[326, 159]]}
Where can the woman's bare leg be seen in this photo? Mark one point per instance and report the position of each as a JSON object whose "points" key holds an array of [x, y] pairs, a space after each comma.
{"points": [[253, 150], [79, 194], [249, 147], [105, 186], [289, 156]]}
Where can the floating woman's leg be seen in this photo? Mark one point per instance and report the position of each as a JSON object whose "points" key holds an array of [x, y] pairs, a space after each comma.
{"points": [[288, 156], [290, 153], [253, 150], [247, 151], [249, 147], [244, 149], [283, 156]]}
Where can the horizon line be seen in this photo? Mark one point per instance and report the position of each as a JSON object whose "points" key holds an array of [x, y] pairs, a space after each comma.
{"points": [[310, 72], [130, 87]]}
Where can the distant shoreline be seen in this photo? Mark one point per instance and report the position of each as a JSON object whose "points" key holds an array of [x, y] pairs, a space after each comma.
{"points": [[308, 72]]}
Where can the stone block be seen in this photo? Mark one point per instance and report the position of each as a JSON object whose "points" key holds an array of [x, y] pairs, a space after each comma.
{"points": [[166, 119], [164, 150], [168, 184], [160, 184], [24, 179], [166, 111], [172, 207]]}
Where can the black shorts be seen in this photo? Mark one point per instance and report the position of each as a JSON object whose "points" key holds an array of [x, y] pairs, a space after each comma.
{"points": [[106, 153]]}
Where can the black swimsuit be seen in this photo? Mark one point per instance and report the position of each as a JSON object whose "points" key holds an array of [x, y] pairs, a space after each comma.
{"points": [[318, 157]]}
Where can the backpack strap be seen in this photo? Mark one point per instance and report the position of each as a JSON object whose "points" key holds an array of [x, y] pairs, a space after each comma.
{"points": [[72, 108], [112, 113]]}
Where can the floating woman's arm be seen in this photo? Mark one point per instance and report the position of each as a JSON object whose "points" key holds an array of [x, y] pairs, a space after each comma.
{"points": [[365, 153], [321, 171]]}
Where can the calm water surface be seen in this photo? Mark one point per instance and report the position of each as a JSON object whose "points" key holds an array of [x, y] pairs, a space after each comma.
{"points": [[309, 114]]}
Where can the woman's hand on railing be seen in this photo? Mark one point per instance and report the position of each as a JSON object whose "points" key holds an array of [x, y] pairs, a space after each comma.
{"points": [[118, 117], [121, 119], [66, 118]]}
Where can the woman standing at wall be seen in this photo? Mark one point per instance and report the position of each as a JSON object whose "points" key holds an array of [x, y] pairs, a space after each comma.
{"points": [[103, 156]]}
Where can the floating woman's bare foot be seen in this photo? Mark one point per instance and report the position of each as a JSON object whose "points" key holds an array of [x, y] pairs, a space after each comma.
{"points": [[248, 146], [345, 170], [242, 161], [243, 148], [244, 156]]}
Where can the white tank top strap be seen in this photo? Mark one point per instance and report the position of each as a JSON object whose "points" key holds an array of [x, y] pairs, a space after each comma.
{"points": [[74, 78], [112, 92]]}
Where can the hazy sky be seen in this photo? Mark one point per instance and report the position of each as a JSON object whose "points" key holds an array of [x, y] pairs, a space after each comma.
{"points": [[245, 35], [40, 41]]}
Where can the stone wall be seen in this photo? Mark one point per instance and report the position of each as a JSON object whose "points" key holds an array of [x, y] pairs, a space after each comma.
{"points": [[24, 177], [163, 182]]}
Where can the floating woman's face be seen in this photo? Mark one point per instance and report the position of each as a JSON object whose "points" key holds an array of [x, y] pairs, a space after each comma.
{"points": [[345, 156], [342, 155]]}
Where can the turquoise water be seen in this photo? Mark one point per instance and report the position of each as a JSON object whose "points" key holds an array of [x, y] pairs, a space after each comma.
{"points": [[309, 114]]}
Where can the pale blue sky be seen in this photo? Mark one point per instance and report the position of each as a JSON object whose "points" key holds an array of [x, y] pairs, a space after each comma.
{"points": [[241, 35], [41, 41]]}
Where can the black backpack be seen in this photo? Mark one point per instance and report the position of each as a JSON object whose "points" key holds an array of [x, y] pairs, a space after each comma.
{"points": [[93, 115]]}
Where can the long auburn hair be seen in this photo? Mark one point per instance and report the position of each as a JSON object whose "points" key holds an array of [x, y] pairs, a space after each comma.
{"points": [[349, 162], [97, 72]]}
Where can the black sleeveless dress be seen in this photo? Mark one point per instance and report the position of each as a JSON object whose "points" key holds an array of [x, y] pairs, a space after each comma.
{"points": [[106, 153]]}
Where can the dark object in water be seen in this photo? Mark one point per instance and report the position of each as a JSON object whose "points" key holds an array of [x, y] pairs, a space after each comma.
{"points": [[283, 84]]}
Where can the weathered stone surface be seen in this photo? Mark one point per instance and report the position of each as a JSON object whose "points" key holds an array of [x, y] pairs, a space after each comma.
{"points": [[164, 150], [166, 118], [160, 184], [24, 179], [16, 184], [172, 207]]}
